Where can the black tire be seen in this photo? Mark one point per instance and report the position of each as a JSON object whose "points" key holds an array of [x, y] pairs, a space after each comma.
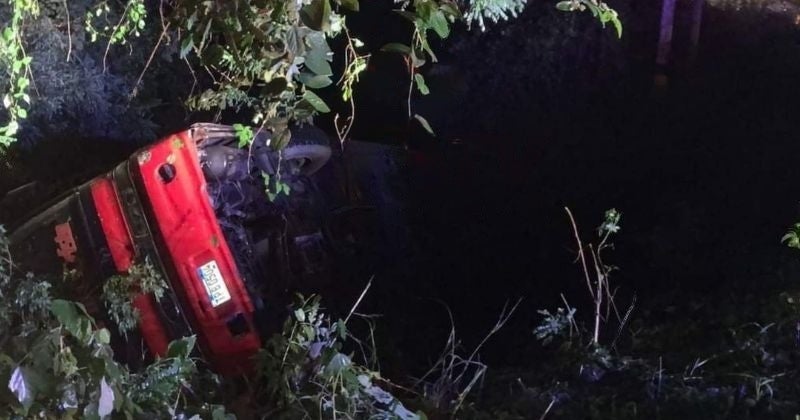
{"points": [[308, 150]]}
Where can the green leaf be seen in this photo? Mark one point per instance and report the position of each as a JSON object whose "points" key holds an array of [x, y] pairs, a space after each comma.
{"points": [[451, 9], [397, 47], [181, 348], [424, 123], [314, 81], [186, 45], [103, 336], [351, 5], [244, 134], [439, 24], [417, 58], [66, 312], [316, 102], [317, 15], [425, 9], [294, 40], [617, 25], [11, 128], [190, 21], [592, 7], [22, 113], [318, 64], [300, 315], [565, 6], [423, 40], [420, 82], [318, 55]]}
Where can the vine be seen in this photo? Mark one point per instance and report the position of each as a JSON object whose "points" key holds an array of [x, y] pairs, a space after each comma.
{"points": [[16, 64]]}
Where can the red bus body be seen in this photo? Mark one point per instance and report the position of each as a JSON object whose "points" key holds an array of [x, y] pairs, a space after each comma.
{"points": [[154, 208]]}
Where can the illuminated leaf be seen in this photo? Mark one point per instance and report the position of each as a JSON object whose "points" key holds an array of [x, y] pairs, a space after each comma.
{"points": [[424, 123], [420, 82], [439, 24], [316, 102]]}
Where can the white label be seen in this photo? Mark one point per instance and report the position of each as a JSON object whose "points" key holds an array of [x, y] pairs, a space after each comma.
{"points": [[214, 283]]}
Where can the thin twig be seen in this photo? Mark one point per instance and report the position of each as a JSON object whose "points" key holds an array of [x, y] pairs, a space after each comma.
{"points": [[108, 45], [358, 301], [598, 298], [410, 84], [624, 321], [149, 60], [69, 32], [581, 255], [194, 77], [505, 315], [573, 326], [549, 407]]}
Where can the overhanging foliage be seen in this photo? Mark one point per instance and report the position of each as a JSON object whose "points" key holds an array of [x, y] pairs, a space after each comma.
{"points": [[262, 57]]}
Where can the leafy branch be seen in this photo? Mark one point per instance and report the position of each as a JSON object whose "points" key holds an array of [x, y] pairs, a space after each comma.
{"points": [[600, 10], [16, 64]]}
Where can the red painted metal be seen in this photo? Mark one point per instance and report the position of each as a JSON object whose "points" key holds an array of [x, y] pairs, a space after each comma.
{"points": [[112, 221], [176, 191]]}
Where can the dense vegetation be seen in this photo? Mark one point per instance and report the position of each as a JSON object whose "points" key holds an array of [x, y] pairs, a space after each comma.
{"points": [[262, 59]]}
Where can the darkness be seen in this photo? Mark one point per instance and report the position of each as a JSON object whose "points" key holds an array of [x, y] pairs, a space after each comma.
{"points": [[704, 172]]}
